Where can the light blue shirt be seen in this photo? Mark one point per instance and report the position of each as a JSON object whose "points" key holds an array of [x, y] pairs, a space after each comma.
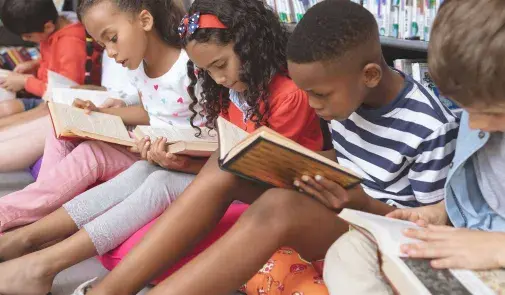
{"points": [[465, 203]]}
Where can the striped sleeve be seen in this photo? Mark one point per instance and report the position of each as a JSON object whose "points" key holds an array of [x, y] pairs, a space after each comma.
{"points": [[428, 174]]}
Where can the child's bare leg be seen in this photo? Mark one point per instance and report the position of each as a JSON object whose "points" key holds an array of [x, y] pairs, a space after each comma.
{"points": [[183, 224], [34, 273], [278, 218], [11, 107], [23, 117], [25, 147], [55, 226]]}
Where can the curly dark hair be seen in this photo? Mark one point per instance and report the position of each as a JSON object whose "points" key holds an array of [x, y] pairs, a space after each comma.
{"points": [[260, 43]]}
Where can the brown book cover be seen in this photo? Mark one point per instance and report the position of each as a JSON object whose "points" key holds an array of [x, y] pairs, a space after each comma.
{"points": [[268, 157]]}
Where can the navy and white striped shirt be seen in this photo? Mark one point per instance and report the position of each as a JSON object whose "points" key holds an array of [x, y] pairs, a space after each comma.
{"points": [[403, 150]]}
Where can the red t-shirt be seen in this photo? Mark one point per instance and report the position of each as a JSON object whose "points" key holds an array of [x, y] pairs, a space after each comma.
{"points": [[290, 114], [64, 52]]}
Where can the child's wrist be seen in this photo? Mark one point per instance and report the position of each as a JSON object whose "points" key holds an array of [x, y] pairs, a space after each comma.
{"points": [[501, 254]]}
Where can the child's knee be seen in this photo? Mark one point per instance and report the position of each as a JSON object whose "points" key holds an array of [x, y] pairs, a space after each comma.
{"points": [[11, 107], [275, 209], [349, 257]]}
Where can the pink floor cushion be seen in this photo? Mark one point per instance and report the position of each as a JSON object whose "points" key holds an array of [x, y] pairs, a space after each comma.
{"points": [[114, 257], [35, 169]]}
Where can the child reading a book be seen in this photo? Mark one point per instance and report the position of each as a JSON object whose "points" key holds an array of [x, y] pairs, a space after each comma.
{"points": [[157, 70], [62, 48], [102, 216], [474, 190], [399, 138]]}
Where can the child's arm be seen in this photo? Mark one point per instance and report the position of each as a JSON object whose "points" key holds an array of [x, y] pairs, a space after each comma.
{"points": [[451, 247]]}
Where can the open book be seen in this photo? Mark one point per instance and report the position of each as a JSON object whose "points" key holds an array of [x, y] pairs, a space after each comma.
{"points": [[72, 122], [68, 95], [271, 158], [407, 275], [181, 140]]}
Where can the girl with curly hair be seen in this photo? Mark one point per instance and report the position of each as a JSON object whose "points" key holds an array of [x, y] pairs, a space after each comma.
{"points": [[238, 52]]}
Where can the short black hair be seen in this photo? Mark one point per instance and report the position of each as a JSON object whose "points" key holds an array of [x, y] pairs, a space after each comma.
{"points": [[27, 16], [329, 30]]}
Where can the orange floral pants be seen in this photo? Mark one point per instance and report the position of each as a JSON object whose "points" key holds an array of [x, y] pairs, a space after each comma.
{"points": [[286, 273]]}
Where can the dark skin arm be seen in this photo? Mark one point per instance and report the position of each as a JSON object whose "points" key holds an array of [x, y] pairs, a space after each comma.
{"points": [[335, 197]]}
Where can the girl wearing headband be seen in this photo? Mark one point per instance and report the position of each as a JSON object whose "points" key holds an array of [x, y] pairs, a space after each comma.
{"points": [[237, 52]]}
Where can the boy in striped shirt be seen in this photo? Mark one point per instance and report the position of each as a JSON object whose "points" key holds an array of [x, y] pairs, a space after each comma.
{"points": [[385, 126]]}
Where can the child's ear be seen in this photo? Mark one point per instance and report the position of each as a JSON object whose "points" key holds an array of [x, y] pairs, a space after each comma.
{"points": [[372, 75], [49, 27], [146, 20]]}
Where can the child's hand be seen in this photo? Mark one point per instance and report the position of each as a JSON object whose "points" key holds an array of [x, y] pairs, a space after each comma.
{"points": [[457, 248], [158, 154], [86, 105], [433, 214], [142, 147], [14, 82], [112, 103], [25, 67], [332, 195]]}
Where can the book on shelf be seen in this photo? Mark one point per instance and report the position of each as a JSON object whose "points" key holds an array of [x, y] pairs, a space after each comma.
{"points": [[10, 57], [404, 19], [268, 157], [415, 276], [418, 70], [70, 123]]}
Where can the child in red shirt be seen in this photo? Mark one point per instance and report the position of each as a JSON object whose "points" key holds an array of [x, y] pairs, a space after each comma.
{"points": [[62, 46]]}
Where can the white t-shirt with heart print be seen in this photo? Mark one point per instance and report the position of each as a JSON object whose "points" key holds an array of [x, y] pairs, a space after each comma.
{"points": [[166, 98]]}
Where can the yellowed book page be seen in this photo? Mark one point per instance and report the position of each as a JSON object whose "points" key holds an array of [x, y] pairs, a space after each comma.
{"points": [[68, 95], [280, 166], [176, 133], [229, 136], [71, 118]]}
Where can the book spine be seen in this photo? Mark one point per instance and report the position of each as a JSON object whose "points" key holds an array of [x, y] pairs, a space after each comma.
{"points": [[9, 61], [25, 54], [395, 13], [18, 56], [13, 57]]}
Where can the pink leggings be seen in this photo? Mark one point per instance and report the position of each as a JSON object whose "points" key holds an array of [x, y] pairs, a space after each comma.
{"points": [[68, 169]]}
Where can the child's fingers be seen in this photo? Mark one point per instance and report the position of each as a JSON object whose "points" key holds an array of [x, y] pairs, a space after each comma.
{"points": [[145, 149], [310, 181], [425, 234], [330, 186], [453, 262], [442, 228], [311, 192], [428, 250], [161, 145]]}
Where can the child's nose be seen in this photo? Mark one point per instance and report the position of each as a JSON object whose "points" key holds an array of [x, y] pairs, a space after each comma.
{"points": [[111, 52]]}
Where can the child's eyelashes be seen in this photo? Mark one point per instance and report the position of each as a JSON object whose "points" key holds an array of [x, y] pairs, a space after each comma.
{"points": [[221, 66], [114, 39]]}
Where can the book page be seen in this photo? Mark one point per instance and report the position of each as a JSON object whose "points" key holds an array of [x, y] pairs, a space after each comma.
{"points": [[229, 136], [482, 282], [71, 118], [68, 95], [55, 80], [388, 232], [177, 133]]}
